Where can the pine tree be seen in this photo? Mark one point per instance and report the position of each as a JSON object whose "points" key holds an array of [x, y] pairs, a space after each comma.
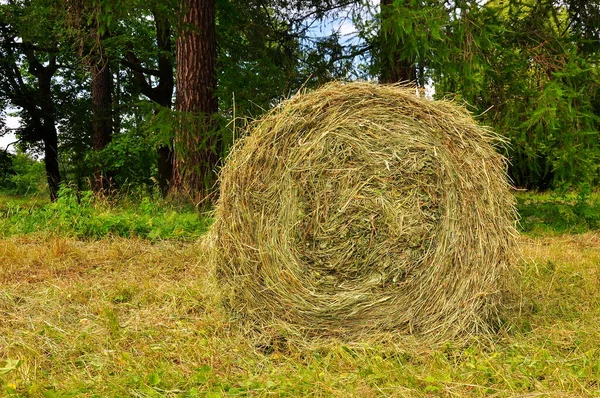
{"points": [[197, 146]]}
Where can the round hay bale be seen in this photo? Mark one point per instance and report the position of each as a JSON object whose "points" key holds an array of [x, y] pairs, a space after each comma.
{"points": [[360, 209]]}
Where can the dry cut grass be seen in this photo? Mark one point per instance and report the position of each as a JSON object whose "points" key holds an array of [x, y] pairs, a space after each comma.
{"points": [[124, 317], [359, 210]]}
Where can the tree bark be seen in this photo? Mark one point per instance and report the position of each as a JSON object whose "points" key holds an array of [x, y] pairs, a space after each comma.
{"points": [[50, 134], [51, 162], [164, 91], [394, 68], [46, 119], [197, 147], [102, 118]]}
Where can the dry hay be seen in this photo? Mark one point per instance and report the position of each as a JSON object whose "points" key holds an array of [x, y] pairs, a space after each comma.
{"points": [[357, 210]]}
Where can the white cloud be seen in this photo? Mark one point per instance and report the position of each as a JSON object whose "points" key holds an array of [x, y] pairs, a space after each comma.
{"points": [[11, 122], [346, 28]]}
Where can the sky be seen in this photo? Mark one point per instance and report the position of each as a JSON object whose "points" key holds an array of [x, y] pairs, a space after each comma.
{"points": [[11, 123]]}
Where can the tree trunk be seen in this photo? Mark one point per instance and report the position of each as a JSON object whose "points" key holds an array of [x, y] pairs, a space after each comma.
{"points": [[394, 68], [164, 93], [102, 119], [45, 121], [51, 163], [49, 132], [197, 147], [165, 169]]}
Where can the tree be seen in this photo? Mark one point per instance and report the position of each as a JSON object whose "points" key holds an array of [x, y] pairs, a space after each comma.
{"points": [[410, 39], [531, 68], [162, 92], [27, 50], [93, 22], [258, 58], [197, 145], [397, 64]]}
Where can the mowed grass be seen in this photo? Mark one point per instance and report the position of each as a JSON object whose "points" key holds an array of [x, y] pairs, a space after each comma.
{"points": [[126, 317]]}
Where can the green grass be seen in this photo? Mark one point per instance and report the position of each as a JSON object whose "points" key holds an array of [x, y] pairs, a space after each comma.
{"points": [[125, 312], [125, 317], [8, 201], [558, 213], [83, 216]]}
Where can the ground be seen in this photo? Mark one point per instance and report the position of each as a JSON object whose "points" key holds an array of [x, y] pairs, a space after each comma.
{"points": [[129, 317]]}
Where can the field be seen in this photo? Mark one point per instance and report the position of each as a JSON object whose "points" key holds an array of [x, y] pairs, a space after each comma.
{"points": [[138, 315]]}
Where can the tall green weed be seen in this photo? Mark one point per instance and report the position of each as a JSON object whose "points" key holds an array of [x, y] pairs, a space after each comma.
{"points": [[559, 212], [81, 214]]}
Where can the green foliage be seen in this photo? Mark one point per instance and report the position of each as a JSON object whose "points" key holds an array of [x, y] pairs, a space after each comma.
{"points": [[74, 120], [129, 158], [411, 32], [258, 62], [7, 169], [23, 176], [522, 65], [80, 214], [559, 212], [530, 68]]}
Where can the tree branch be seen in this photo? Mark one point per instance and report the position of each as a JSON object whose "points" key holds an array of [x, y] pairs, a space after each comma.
{"points": [[137, 67]]}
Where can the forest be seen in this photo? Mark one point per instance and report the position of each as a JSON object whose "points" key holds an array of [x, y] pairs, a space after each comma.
{"points": [[121, 231], [106, 101]]}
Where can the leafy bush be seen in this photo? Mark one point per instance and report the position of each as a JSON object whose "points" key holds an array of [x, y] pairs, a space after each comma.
{"points": [[20, 174], [6, 168], [128, 159]]}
